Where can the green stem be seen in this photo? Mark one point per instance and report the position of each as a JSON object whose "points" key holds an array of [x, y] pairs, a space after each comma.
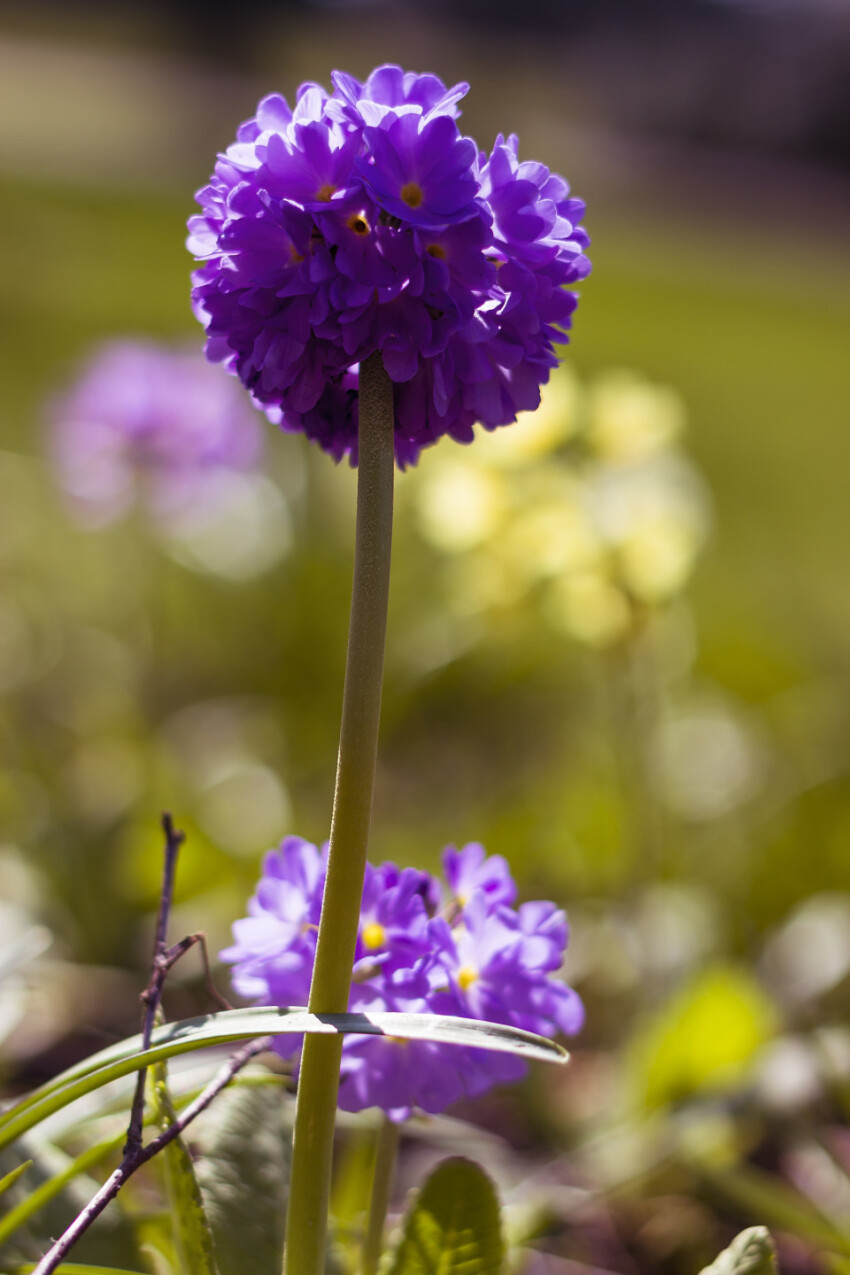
{"points": [[386, 1147], [318, 1084]]}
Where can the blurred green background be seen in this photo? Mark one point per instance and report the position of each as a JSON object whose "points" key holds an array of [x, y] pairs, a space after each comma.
{"points": [[682, 791]]}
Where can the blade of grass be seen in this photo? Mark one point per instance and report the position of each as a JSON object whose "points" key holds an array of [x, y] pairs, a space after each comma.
{"points": [[43, 1194], [245, 1024], [11, 1178]]}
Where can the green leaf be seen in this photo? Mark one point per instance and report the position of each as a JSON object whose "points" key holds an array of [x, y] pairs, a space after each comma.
{"points": [[453, 1225], [11, 1178], [750, 1253], [243, 1171], [246, 1024], [47, 1191], [192, 1235]]}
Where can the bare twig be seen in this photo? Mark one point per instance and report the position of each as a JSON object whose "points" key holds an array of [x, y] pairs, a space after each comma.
{"points": [[135, 1154], [139, 1155], [160, 966], [212, 990], [173, 954]]}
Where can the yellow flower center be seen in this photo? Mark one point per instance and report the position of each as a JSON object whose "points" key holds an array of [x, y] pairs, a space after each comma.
{"points": [[436, 250], [412, 194], [358, 223], [466, 977], [373, 935], [326, 192]]}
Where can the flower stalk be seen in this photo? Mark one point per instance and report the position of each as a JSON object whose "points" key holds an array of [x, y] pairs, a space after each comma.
{"points": [[355, 778], [386, 1149]]}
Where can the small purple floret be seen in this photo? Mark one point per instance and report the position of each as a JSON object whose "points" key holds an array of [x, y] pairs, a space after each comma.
{"points": [[464, 951], [364, 221]]}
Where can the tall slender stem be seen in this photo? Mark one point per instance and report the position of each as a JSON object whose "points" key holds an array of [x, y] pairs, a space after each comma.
{"points": [[386, 1147], [355, 778]]}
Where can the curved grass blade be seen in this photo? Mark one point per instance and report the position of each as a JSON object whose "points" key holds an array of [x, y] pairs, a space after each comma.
{"points": [[11, 1178], [246, 1024], [43, 1194]]}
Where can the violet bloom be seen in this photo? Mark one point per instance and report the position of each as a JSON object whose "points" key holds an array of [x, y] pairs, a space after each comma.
{"points": [[474, 957], [363, 221], [151, 424], [472, 869]]}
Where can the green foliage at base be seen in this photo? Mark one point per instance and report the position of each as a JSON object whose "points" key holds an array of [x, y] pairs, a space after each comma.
{"points": [[453, 1225]]}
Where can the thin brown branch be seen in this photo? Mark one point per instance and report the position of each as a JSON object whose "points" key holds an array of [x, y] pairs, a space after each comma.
{"points": [[152, 995], [135, 1154], [139, 1155]]}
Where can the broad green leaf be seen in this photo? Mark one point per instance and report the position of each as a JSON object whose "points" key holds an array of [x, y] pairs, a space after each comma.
{"points": [[246, 1024], [192, 1236], [750, 1253], [453, 1225], [48, 1190], [243, 1171], [11, 1178]]}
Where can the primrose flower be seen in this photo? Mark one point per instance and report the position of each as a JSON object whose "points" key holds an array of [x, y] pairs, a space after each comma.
{"points": [[363, 221], [464, 951], [151, 424]]}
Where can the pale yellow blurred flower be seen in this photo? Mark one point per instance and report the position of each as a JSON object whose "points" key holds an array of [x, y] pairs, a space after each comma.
{"points": [[548, 539], [458, 505], [654, 518], [630, 417], [656, 560], [587, 606], [534, 434], [485, 581], [606, 532]]}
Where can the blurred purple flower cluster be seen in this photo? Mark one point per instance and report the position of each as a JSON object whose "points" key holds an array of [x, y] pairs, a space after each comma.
{"points": [[149, 424], [461, 949], [363, 221]]}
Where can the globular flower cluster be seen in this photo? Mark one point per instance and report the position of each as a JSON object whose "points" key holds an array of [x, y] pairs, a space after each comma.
{"points": [[363, 221], [461, 948], [149, 424]]}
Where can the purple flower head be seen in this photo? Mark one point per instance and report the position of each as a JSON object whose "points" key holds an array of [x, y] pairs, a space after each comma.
{"points": [[483, 959], [363, 221], [150, 424]]}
